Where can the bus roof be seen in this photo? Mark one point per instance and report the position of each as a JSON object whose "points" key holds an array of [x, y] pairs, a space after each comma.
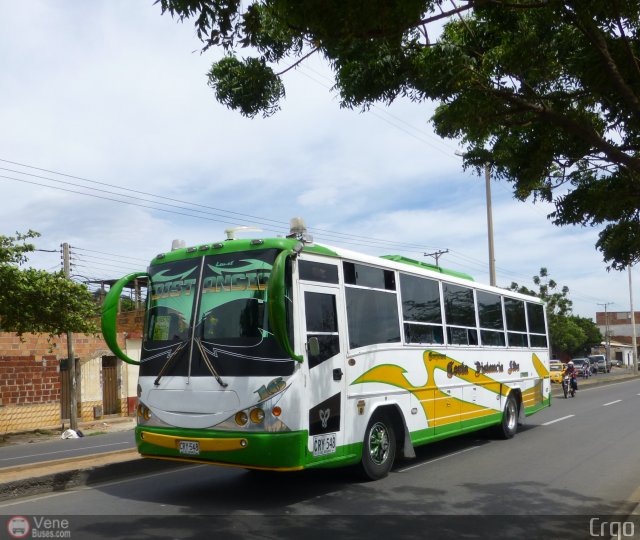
{"points": [[432, 267], [397, 261]]}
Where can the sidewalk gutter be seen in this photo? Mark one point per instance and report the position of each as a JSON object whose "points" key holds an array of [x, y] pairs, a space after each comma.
{"points": [[60, 475]]}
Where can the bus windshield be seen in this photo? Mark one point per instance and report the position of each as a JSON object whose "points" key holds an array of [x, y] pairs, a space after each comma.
{"points": [[218, 301]]}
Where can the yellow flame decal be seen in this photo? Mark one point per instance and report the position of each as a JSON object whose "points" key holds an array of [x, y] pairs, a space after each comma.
{"points": [[541, 369], [439, 407]]}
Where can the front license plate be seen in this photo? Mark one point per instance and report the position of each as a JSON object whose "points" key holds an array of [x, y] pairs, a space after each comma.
{"points": [[324, 444], [189, 448]]}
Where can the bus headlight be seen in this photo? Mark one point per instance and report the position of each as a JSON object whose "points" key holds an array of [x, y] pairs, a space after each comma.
{"points": [[256, 415], [242, 418], [143, 412]]}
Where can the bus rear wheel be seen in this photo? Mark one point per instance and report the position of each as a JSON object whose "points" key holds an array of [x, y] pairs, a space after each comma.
{"points": [[509, 424], [378, 448]]}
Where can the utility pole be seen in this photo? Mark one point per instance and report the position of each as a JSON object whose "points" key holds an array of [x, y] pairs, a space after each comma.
{"points": [[492, 258], [634, 344], [606, 335], [73, 405], [487, 187], [437, 254]]}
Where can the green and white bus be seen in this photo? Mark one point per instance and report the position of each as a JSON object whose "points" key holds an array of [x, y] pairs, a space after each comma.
{"points": [[283, 354]]}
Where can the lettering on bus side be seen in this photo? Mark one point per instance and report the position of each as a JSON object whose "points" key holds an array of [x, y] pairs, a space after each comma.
{"points": [[325, 417], [454, 370], [483, 369]]}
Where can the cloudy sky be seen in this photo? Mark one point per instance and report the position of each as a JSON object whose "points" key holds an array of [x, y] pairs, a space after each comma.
{"points": [[111, 141]]}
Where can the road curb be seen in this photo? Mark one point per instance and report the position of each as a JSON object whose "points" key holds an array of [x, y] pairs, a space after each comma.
{"points": [[593, 381], [50, 477]]}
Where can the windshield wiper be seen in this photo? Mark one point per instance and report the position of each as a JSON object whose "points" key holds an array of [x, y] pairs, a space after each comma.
{"points": [[172, 356], [207, 362]]}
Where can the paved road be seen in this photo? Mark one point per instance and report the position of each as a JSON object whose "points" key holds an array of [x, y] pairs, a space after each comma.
{"points": [[572, 463]]}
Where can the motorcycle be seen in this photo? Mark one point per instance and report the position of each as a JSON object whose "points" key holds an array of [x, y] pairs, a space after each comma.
{"points": [[568, 387]]}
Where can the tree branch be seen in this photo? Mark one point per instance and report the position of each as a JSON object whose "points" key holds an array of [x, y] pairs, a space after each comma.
{"points": [[298, 62], [589, 135], [592, 33], [632, 57]]}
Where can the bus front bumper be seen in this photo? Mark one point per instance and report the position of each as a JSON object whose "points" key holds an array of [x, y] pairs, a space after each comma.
{"points": [[281, 451]]}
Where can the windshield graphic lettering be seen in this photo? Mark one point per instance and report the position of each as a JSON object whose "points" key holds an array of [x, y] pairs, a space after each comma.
{"points": [[253, 276], [172, 289]]}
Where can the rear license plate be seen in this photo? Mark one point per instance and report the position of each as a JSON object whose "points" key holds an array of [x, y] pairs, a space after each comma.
{"points": [[324, 444], [189, 448]]}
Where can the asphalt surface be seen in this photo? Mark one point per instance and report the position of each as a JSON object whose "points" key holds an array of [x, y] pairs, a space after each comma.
{"points": [[55, 465]]}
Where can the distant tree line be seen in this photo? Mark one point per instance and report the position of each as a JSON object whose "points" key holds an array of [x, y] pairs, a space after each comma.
{"points": [[569, 334]]}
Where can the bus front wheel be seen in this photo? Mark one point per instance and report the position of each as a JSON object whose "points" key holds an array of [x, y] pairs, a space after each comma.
{"points": [[378, 448]]}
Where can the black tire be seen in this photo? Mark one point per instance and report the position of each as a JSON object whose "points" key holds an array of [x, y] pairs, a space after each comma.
{"points": [[378, 448], [565, 389], [509, 424]]}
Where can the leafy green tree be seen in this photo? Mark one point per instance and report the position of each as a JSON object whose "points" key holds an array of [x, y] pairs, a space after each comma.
{"points": [[546, 92], [37, 301], [568, 333]]}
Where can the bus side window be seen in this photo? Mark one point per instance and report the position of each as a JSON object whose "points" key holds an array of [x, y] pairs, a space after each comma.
{"points": [[491, 320], [421, 310], [460, 314], [516, 322]]}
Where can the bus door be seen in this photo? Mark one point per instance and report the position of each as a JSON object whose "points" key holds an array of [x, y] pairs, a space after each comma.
{"points": [[322, 318]]}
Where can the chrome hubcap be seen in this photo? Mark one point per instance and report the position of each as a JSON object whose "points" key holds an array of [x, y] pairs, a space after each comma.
{"points": [[379, 443], [511, 415]]}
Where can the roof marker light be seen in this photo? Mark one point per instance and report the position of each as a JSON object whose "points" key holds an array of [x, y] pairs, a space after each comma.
{"points": [[177, 244]]}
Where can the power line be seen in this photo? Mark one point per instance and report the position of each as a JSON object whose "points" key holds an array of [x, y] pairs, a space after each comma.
{"points": [[136, 201], [110, 254]]}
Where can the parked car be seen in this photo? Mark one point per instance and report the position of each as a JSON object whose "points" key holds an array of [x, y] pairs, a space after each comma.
{"points": [[555, 371], [616, 363], [582, 366], [601, 362]]}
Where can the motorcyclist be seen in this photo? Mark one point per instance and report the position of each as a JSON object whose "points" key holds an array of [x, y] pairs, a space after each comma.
{"points": [[570, 371]]}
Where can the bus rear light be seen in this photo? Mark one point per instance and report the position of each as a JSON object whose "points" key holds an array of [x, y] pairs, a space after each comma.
{"points": [[256, 415], [242, 418]]}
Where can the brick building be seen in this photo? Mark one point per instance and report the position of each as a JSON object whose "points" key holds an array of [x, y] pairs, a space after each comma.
{"points": [[34, 377], [616, 327]]}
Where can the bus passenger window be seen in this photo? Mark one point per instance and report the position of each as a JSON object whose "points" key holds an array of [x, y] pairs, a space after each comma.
{"points": [[491, 321], [516, 322]]}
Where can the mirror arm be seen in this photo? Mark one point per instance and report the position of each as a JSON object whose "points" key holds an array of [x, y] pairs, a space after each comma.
{"points": [[276, 303], [110, 316]]}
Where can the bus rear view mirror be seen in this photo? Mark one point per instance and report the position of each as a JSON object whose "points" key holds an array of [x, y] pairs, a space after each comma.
{"points": [[313, 346]]}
